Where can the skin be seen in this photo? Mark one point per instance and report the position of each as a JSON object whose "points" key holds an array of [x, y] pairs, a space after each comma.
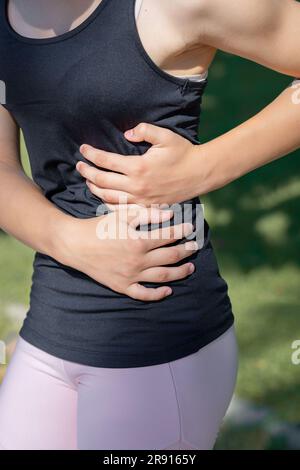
{"points": [[265, 31]]}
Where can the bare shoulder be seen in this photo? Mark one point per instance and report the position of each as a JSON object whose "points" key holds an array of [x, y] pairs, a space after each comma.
{"points": [[168, 31], [247, 28], [186, 15], [204, 19], [183, 18]]}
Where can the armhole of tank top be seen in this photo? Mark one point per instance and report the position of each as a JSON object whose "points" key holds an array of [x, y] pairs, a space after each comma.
{"points": [[2, 15], [198, 77], [181, 81]]}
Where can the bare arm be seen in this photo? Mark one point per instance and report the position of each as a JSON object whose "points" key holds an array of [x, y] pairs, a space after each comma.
{"points": [[271, 134], [265, 31], [24, 212]]}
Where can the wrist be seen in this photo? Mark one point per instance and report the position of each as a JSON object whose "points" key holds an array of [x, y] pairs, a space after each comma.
{"points": [[202, 170], [61, 232], [213, 172]]}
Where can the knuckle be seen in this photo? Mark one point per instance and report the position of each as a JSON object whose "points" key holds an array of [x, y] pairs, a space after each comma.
{"points": [[98, 160], [140, 188], [176, 255], [104, 195], [131, 293], [98, 179], [139, 245], [172, 256], [130, 269], [163, 275], [139, 168], [111, 163], [142, 127], [123, 270], [143, 166]]}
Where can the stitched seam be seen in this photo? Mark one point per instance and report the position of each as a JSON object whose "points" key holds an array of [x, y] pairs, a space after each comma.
{"points": [[188, 445], [67, 378], [181, 440], [177, 401], [183, 445]]}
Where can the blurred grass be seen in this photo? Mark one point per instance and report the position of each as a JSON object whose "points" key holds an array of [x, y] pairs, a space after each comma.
{"points": [[256, 233], [244, 439]]}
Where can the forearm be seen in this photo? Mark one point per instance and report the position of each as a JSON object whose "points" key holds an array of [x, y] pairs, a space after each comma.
{"points": [[26, 214], [271, 134]]}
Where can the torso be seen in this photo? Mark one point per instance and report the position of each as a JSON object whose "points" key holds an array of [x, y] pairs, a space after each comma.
{"points": [[162, 39], [89, 85]]}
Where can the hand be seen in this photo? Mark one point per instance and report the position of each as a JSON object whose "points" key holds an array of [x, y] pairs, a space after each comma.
{"points": [[165, 174], [112, 251]]}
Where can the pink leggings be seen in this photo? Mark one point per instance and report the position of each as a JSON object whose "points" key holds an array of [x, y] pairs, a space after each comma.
{"points": [[49, 403]]}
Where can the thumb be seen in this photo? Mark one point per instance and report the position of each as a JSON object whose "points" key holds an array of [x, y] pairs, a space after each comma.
{"points": [[149, 133]]}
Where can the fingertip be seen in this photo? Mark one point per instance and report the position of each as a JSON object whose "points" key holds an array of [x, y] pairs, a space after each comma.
{"points": [[168, 211], [162, 293], [167, 214], [188, 228], [129, 133], [168, 291], [192, 246], [191, 268]]}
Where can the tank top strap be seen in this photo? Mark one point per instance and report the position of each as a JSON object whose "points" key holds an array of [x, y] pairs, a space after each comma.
{"points": [[3, 6]]}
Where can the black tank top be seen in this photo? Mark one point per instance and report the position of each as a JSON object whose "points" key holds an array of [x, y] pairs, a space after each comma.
{"points": [[89, 85]]}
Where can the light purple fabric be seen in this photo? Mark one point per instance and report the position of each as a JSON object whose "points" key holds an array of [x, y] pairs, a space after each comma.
{"points": [[49, 403]]}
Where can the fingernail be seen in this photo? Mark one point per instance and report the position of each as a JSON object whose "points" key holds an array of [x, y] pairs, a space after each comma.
{"points": [[191, 268], [192, 246], [188, 228], [129, 133], [84, 148], [167, 214], [168, 291]]}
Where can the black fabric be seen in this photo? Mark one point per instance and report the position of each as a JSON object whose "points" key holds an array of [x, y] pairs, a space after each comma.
{"points": [[88, 86]]}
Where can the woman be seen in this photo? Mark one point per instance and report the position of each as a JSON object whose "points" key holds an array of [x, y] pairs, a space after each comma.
{"points": [[129, 341]]}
